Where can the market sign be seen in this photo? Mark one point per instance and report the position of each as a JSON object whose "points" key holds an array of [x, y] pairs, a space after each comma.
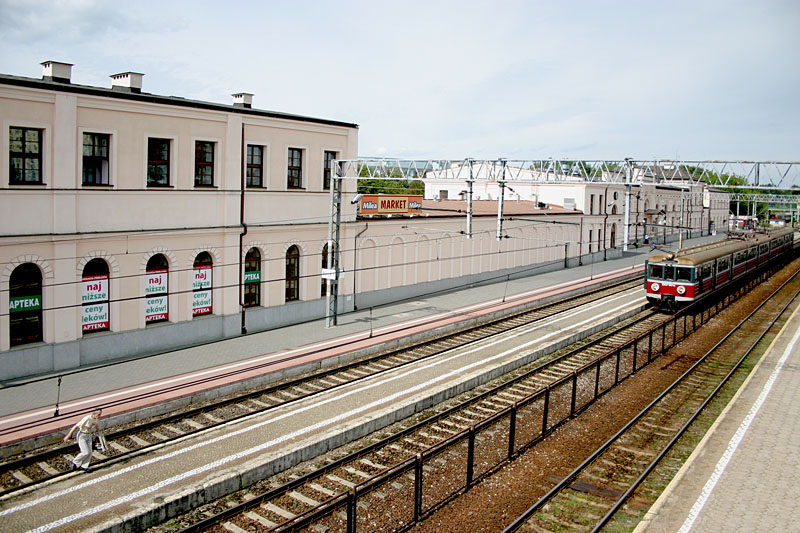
{"points": [[24, 303], [95, 289], [95, 317], [386, 204]]}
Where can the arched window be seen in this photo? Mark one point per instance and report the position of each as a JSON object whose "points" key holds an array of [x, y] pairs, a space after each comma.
{"points": [[95, 297], [25, 304], [201, 286], [252, 278], [156, 290], [292, 273]]}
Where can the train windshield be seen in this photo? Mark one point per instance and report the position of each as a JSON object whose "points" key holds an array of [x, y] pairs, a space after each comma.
{"points": [[683, 273], [656, 272]]}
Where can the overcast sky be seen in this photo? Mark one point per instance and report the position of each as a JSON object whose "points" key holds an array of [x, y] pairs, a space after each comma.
{"points": [[583, 79]]}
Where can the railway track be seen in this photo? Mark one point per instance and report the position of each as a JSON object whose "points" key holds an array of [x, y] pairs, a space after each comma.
{"points": [[28, 471], [290, 506], [615, 486]]}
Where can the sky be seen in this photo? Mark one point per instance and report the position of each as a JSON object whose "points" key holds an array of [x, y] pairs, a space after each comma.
{"points": [[587, 79]]}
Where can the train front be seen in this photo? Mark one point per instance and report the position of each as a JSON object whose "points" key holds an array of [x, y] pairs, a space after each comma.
{"points": [[668, 282]]}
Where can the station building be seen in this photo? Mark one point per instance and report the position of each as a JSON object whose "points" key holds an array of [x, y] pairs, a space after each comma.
{"points": [[133, 223]]}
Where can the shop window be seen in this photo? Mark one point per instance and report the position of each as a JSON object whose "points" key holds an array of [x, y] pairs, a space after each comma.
{"points": [[295, 169], [158, 155], [25, 156], [255, 166], [202, 286], [95, 297], [25, 304], [95, 158], [252, 278], [292, 273], [203, 164], [327, 168], [156, 290]]}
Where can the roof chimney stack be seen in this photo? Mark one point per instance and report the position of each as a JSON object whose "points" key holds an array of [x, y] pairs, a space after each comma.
{"points": [[127, 82], [55, 71], [243, 100]]}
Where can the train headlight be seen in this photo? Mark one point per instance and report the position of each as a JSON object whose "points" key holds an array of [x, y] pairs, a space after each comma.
{"points": [[654, 287], [681, 289]]}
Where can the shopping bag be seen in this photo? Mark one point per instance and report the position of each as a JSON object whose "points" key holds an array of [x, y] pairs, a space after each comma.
{"points": [[101, 444]]}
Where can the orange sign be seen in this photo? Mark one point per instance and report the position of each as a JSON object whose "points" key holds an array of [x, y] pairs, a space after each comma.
{"points": [[384, 204]]}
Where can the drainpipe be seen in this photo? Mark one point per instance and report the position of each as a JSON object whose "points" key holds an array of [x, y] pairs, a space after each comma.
{"points": [[241, 236], [355, 264]]}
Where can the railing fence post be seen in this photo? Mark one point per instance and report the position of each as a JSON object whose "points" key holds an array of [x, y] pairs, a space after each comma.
{"points": [[470, 455], [512, 431]]}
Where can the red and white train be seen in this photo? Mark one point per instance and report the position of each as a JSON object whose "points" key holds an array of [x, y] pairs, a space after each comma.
{"points": [[675, 279]]}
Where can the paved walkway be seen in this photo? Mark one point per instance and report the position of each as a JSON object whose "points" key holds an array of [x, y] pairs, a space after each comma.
{"points": [[745, 475]]}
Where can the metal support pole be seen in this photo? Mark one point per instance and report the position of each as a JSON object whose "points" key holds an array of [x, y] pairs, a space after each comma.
{"points": [[500, 202], [626, 224], [469, 202], [334, 228]]}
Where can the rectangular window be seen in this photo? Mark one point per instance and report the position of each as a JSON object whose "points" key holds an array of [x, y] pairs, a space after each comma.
{"points": [[295, 169], [255, 165], [591, 204], [326, 170], [25, 156], [158, 162], [203, 164], [95, 158]]}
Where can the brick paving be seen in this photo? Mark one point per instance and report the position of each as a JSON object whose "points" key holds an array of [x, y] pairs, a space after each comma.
{"points": [[745, 476]]}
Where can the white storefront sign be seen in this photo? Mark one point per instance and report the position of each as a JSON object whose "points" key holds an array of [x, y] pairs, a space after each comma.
{"points": [[156, 307]]}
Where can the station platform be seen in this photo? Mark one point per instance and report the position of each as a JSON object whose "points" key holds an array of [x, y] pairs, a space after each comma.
{"points": [[128, 495], [148, 386], [745, 474]]}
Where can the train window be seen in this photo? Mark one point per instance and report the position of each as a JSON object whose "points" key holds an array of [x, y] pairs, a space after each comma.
{"points": [[656, 272], [706, 270], [683, 273], [723, 264], [752, 252], [740, 257], [764, 248], [669, 273]]}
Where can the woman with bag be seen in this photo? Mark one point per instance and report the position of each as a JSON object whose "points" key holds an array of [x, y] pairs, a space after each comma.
{"points": [[86, 429]]}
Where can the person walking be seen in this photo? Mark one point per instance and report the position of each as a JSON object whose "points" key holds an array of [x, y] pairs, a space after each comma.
{"points": [[87, 428]]}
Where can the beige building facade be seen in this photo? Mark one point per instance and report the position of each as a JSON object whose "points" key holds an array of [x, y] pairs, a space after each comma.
{"points": [[132, 224]]}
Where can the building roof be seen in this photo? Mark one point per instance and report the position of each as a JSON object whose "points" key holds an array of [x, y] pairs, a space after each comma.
{"points": [[69, 87]]}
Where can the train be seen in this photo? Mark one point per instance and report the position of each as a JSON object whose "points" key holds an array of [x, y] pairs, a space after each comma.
{"points": [[676, 279]]}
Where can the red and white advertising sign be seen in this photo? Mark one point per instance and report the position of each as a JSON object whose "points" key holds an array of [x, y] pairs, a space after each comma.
{"points": [[156, 307], [201, 297], [95, 317], [384, 204], [94, 297]]}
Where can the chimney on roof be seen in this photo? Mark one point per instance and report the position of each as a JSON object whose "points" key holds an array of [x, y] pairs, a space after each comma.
{"points": [[56, 71], [243, 100], [130, 82]]}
